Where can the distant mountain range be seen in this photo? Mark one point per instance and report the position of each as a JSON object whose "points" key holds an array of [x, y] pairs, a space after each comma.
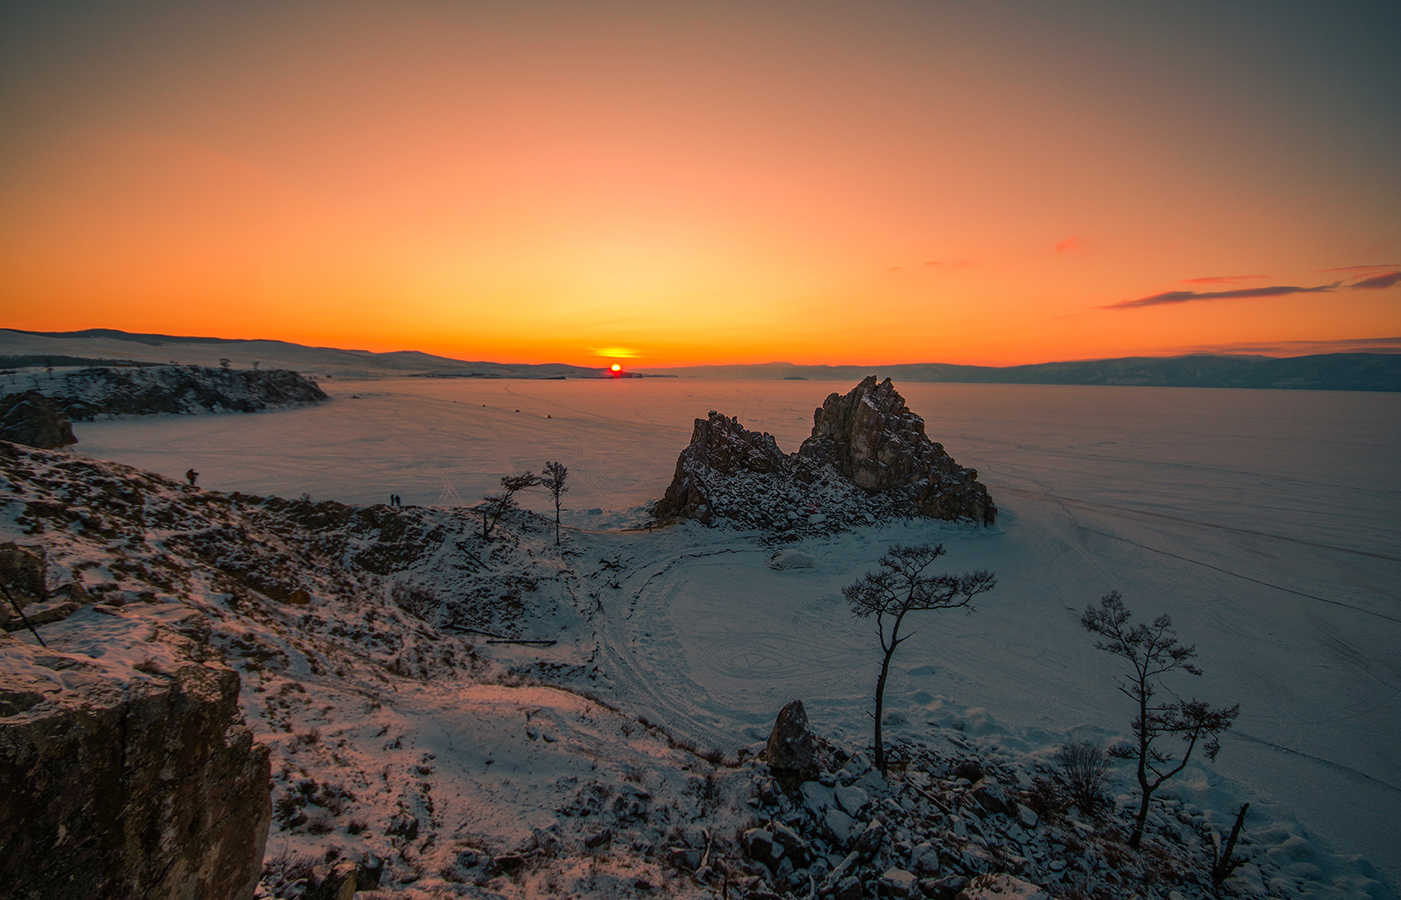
{"points": [[1328, 372], [1323, 372], [103, 345]]}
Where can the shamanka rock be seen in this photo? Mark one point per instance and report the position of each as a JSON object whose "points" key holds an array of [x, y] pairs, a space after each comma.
{"points": [[868, 458]]}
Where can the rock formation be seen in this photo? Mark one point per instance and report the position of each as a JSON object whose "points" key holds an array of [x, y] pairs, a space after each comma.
{"points": [[868, 458], [718, 444], [176, 390], [34, 420], [871, 437], [127, 770]]}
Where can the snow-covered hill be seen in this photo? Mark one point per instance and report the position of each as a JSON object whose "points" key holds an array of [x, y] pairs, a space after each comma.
{"points": [[485, 719]]}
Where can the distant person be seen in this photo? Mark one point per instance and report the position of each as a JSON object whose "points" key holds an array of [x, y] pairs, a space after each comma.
{"points": [[191, 476]]}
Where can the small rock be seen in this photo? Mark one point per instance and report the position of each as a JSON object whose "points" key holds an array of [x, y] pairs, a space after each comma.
{"points": [[760, 846], [994, 799], [871, 839], [1001, 887], [898, 883], [334, 882], [852, 799]]}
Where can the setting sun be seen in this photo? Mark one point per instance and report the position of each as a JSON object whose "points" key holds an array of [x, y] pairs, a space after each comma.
{"points": [[930, 183]]}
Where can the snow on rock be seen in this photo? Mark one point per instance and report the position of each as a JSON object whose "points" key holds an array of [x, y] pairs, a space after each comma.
{"points": [[103, 392], [128, 771], [458, 717], [868, 459], [34, 420]]}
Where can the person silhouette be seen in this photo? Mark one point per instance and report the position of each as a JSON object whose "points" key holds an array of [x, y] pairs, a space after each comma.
{"points": [[191, 476]]}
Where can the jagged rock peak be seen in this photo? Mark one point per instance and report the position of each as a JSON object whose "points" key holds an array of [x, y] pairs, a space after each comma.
{"points": [[868, 457], [718, 444], [872, 437]]}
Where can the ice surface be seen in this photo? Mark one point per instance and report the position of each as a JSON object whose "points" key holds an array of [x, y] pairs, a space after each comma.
{"points": [[1268, 524]]}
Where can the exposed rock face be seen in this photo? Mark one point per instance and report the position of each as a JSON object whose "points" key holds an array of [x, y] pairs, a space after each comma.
{"points": [[128, 774], [868, 458], [871, 437], [719, 444], [34, 420]]}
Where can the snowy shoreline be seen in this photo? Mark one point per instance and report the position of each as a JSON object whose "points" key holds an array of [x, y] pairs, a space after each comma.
{"points": [[1209, 539]]}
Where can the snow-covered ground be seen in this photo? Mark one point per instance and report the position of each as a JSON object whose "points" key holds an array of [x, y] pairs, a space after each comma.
{"points": [[1267, 523]]}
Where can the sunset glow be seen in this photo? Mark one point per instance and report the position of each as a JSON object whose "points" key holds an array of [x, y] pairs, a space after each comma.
{"points": [[673, 185]]}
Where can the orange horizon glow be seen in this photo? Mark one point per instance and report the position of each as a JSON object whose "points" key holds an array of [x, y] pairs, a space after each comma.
{"points": [[675, 186]]}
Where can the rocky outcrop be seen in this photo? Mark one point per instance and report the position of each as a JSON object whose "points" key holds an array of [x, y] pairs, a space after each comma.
{"points": [[127, 770], [870, 436], [868, 458], [176, 390], [718, 444], [34, 420]]}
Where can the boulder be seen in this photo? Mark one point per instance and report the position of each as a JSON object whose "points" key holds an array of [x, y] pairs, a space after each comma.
{"points": [[335, 881], [992, 797], [34, 420], [128, 774], [24, 571], [792, 748]]}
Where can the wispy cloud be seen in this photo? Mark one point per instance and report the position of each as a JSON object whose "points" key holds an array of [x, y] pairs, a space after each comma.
{"points": [[1363, 268], [1222, 279], [1377, 282], [1171, 297], [1069, 245]]}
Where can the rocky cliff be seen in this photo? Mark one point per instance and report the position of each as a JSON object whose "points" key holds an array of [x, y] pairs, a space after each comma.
{"points": [[34, 420], [868, 458], [128, 772], [85, 394]]}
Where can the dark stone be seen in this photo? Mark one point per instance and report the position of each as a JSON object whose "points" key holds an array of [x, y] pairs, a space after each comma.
{"points": [[868, 457], [792, 749], [24, 571], [718, 444], [143, 785], [871, 437], [994, 799], [35, 421], [336, 881]]}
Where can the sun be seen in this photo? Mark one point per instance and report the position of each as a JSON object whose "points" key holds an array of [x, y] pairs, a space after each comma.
{"points": [[616, 368]]}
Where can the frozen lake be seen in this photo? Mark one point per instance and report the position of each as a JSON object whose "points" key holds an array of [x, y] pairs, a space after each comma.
{"points": [[1267, 523]]}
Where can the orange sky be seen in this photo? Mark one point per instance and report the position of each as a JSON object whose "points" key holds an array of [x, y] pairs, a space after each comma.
{"points": [[886, 182]]}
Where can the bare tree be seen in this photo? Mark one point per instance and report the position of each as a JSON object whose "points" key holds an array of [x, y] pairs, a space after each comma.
{"points": [[1153, 651], [553, 480], [900, 588], [494, 506], [1082, 771]]}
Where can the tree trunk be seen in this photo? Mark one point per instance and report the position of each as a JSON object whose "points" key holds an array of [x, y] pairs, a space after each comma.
{"points": [[1140, 821], [880, 704]]}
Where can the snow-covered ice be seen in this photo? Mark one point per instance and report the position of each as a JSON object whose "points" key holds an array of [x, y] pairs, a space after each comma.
{"points": [[1267, 523]]}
